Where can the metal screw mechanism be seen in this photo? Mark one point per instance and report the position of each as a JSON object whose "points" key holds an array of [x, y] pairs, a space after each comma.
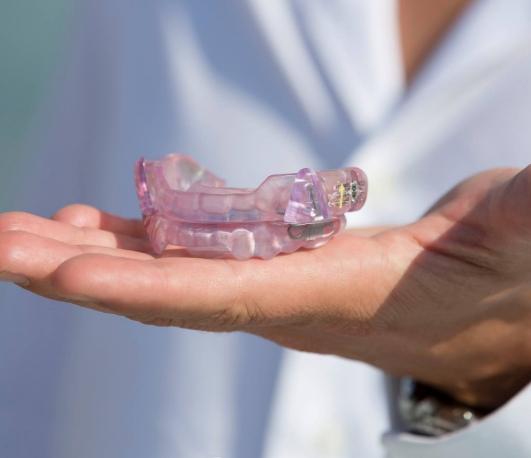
{"points": [[344, 194], [308, 231]]}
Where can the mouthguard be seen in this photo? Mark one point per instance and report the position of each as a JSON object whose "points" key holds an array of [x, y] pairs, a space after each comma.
{"points": [[186, 206]]}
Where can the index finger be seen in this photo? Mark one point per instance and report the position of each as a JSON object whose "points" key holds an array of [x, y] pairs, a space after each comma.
{"points": [[86, 216]]}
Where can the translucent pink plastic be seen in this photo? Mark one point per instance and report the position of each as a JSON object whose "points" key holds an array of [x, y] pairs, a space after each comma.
{"points": [[185, 205]]}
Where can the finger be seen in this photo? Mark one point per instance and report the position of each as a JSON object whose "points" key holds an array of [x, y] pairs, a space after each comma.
{"points": [[186, 292], [86, 216], [26, 222], [464, 197], [32, 259], [513, 204], [222, 294]]}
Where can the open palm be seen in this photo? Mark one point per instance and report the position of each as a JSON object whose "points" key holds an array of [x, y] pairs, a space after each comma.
{"points": [[449, 294]]}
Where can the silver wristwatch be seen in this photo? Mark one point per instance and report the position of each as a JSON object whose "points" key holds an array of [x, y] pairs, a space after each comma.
{"points": [[427, 411]]}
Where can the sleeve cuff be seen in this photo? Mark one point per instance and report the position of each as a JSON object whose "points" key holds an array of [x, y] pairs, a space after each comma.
{"points": [[505, 432]]}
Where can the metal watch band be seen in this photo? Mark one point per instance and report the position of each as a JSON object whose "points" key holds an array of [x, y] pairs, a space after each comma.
{"points": [[430, 412]]}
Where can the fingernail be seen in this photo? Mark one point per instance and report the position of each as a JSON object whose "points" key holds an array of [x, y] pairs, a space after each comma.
{"points": [[13, 278]]}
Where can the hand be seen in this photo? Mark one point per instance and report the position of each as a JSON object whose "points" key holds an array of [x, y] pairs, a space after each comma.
{"points": [[446, 300]]}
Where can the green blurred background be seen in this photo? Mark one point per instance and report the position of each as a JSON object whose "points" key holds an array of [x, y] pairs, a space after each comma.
{"points": [[32, 41]]}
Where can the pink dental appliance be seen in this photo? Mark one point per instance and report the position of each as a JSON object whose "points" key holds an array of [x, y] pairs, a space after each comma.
{"points": [[185, 205]]}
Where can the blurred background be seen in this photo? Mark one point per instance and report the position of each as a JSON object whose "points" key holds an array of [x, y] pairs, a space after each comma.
{"points": [[219, 80], [31, 42]]}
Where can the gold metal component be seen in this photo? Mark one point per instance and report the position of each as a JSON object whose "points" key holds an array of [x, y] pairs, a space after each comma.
{"points": [[341, 194], [344, 194]]}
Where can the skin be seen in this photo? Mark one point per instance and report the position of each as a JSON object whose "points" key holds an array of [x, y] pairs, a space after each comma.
{"points": [[422, 25], [446, 299]]}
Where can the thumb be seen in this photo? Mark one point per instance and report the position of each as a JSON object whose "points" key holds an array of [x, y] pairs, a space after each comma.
{"points": [[512, 205], [511, 211]]}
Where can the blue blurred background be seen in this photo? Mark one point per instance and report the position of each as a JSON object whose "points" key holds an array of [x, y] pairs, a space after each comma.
{"points": [[31, 42]]}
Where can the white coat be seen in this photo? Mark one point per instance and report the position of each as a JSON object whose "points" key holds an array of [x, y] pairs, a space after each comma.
{"points": [[249, 88]]}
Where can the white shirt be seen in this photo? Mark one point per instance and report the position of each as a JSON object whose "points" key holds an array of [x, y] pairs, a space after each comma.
{"points": [[249, 88]]}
